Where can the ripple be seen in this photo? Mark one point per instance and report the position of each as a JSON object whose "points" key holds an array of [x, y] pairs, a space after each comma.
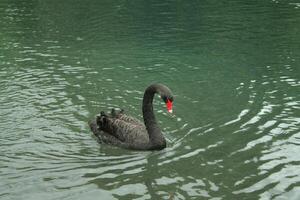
{"points": [[235, 133], [276, 127]]}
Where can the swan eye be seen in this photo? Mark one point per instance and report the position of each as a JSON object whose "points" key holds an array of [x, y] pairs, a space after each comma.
{"points": [[164, 98], [167, 98]]}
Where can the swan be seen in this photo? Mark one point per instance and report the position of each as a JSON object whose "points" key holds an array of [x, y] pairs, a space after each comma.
{"points": [[125, 131]]}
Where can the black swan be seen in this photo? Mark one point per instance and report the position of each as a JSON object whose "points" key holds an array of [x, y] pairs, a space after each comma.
{"points": [[128, 132]]}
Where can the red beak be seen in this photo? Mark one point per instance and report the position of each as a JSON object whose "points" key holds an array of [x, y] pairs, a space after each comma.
{"points": [[169, 105]]}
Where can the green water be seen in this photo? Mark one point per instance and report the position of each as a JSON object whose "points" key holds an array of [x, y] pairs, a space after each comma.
{"points": [[234, 67]]}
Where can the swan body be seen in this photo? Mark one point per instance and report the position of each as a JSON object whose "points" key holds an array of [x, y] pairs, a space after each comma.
{"points": [[124, 131]]}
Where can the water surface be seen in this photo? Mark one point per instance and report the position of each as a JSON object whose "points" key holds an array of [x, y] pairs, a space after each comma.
{"points": [[232, 65]]}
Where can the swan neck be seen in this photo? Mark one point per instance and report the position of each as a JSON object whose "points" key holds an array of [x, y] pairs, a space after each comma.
{"points": [[152, 127]]}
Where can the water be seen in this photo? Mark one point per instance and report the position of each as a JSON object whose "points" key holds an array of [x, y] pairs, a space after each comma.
{"points": [[232, 65]]}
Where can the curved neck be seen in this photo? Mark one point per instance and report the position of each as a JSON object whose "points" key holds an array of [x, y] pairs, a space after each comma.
{"points": [[155, 135]]}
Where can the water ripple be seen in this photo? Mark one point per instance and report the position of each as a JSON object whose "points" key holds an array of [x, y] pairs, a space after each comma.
{"points": [[235, 132]]}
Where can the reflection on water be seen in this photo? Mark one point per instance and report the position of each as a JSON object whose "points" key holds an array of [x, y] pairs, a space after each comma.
{"points": [[233, 67]]}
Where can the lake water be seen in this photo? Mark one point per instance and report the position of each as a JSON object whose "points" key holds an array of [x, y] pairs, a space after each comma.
{"points": [[233, 66]]}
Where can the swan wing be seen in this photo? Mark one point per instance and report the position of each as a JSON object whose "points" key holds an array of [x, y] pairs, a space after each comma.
{"points": [[126, 132], [120, 130], [130, 119], [104, 137]]}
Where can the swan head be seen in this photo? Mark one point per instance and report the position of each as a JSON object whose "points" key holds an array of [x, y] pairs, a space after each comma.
{"points": [[165, 94], [169, 102]]}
